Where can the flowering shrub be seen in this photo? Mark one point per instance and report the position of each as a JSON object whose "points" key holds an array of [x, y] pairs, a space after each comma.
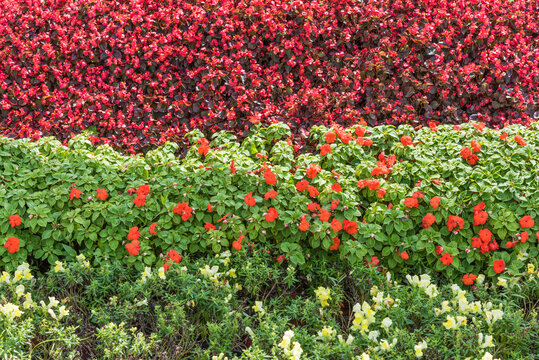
{"points": [[241, 305], [437, 211], [148, 71]]}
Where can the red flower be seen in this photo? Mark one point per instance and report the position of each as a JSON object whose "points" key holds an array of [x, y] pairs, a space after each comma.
{"points": [[271, 215], [465, 152], [336, 225], [476, 147], [313, 207], [479, 126], [151, 230], [236, 244], [373, 184], [428, 220], [418, 195], [336, 244], [184, 210], [12, 244], [503, 136], [435, 202], [336, 187], [373, 262], [140, 200], [381, 193], [312, 171], [480, 218], [134, 234], [485, 235], [270, 177], [143, 190], [133, 248], [249, 199], [102, 194], [524, 236], [302, 185], [203, 147], [75, 193], [479, 207], [270, 195], [411, 202], [527, 222], [520, 140], [210, 209], [446, 259], [174, 256], [281, 258], [325, 149], [499, 266], [349, 226], [404, 255], [209, 226], [406, 140], [367, 142], [473, 159], [324, 215], [360, 131], [330, 137], [468, 279], [439, 250], [477, 243], [232, 168], [304, 224], [455, 222], [313, 191], [334, 204], [15, 220]]}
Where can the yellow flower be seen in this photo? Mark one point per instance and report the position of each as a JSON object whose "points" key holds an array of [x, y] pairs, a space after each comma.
{"points": [[257, 307], [502, 282], [531, 269], [419, 348], [450, 323], [59, 267], [323, 294]]}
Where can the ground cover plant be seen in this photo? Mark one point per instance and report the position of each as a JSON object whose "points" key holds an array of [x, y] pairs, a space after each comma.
{"points": [[244, 305], [142, 72], [459, 201]]}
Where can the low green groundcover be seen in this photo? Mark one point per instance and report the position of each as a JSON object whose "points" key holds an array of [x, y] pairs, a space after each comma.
{"points": [[243, 305]]}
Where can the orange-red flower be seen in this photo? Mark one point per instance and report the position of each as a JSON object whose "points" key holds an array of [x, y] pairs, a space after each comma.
{"points": [[381, 193], [524, 236], [236, 244], [209, 226], [334, 204], [184, 210], [312, 171], [360, 131], [418, 195], [404, 255], [406, 140], [270, 177], [479, 126], [15, 220], [435, 202], [174, 256], [455, 222], [473, 159], [428, 220], [336, 187], [336, 225], [133, 247], [499, 266], [465, 152], [520, 140], [446, 259], [325, 149], [270, 195], [476, 242], [476, 147], [102, 194], [313, 191], [330, 137], [336, 244], [75, 193], [210, 209], [232, 168], [134, 234], [302, 185], [485, 235], [143, 190], [468, 279], [439, 250], [349, 226], [12, 244], [249, 199], [411, 202], [140, 200], [203, 147], [527, 222], [303, 224], [271, 215], [503, 136], [480, 218], [151, 230], [324, 215], [313, 207]]}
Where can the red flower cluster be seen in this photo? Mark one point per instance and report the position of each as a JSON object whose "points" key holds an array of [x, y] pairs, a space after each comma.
{"points": [[142, 191], [15, 220], [485, 242], [184, 210], [12, 244]]}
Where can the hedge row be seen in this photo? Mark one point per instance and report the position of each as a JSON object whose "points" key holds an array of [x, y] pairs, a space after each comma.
{"points": [[458, 201], [141, 73]]}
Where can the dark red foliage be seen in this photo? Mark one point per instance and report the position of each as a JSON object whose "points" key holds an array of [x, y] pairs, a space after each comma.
{"points": [[144, 71]]}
